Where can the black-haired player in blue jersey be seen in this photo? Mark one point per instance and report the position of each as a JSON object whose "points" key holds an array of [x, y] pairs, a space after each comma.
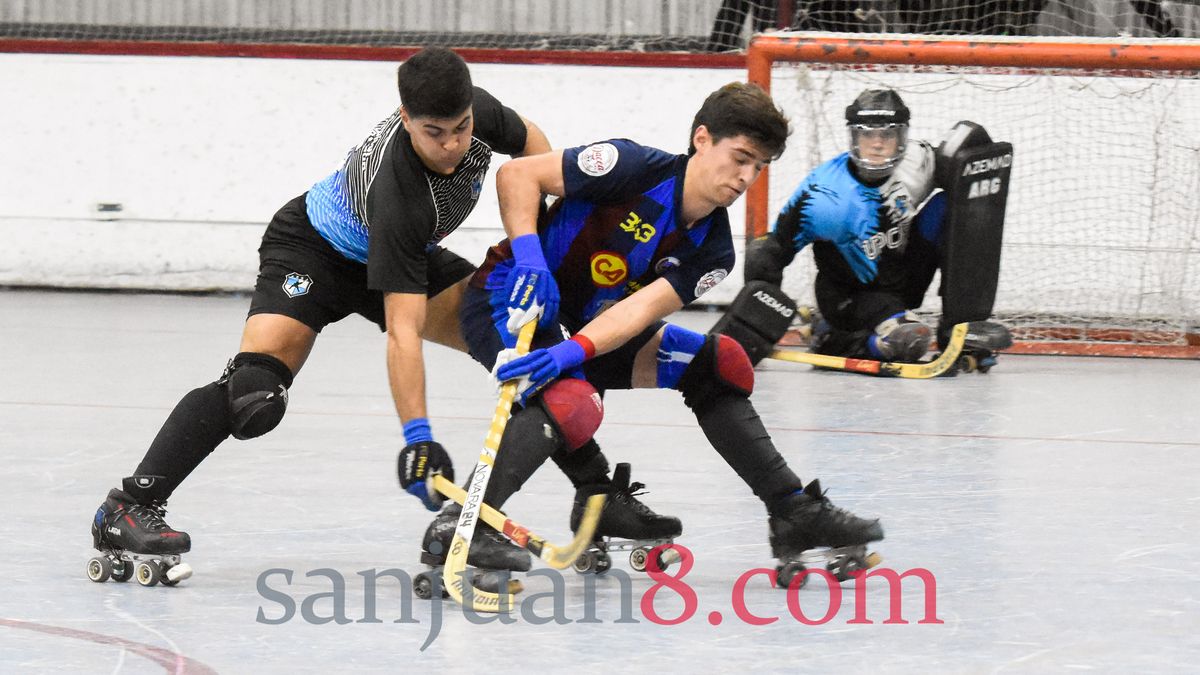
{"points": [[637, 234]]}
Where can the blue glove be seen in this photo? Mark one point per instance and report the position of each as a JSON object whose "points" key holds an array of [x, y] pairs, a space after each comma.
{"points": [[421, 459], [530, 289], [542, 366]]}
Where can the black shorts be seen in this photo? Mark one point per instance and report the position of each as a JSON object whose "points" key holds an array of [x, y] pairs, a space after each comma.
{"points": [[301, 276], [613, 370]]}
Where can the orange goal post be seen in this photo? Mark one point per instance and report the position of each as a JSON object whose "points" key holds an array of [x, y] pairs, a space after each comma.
{"points": [[1101, 251]]}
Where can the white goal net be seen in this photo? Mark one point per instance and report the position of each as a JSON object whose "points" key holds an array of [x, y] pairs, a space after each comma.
{"points": [[1102, 233]]}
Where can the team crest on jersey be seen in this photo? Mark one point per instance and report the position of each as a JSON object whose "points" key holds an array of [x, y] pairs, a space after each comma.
{"points": [[597, 159], [709, 280], [296, 284], [667, 263], [608, 269], [476, 188]]}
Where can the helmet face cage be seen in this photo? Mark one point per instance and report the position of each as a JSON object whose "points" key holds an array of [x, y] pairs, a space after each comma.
{"points": [[863, 134]]}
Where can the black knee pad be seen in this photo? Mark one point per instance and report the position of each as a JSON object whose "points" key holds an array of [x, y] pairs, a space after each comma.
{"points": [[720, 367], [257, 388]]}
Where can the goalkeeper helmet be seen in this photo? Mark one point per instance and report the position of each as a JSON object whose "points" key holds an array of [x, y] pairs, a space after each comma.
{"points": [[878, 125]]}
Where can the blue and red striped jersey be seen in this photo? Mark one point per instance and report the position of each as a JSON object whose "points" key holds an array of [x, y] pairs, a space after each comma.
{"points": [[618, 228]]}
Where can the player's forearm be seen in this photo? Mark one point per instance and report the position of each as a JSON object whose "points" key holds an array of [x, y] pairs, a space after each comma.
{"points": [[406, 373], [624, 320], [405, 317]]}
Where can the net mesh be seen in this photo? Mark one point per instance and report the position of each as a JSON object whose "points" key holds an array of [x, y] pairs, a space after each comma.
{"points": [[619, 25], [1102, 231]]}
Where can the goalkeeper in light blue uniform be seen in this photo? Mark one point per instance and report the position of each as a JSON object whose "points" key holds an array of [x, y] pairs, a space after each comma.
{"points": [[873, 216]]}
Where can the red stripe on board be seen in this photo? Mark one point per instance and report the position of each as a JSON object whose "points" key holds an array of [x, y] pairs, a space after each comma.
{"points": [[365, 53]]}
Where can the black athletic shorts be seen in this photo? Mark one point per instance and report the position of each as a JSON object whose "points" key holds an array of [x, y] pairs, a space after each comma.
{"points": [[301, 276]]}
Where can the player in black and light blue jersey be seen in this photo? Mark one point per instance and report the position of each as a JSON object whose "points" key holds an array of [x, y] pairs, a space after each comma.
{"points": [[637, 234], [363, 241]]}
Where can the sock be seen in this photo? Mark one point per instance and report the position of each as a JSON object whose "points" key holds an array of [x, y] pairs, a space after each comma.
{"points": [[197, 425]]}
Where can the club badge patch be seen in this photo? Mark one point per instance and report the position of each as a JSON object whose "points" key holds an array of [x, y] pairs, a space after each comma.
{"points": [[296, 284], [709, 280], [668, 263], [608, 269], [597, 159]]}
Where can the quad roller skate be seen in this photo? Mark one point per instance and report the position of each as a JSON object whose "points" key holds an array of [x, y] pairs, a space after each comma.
{"points": [[493, 557], [900, 338], [135, 541], [809, 531], [626, 524], [984, 339]]}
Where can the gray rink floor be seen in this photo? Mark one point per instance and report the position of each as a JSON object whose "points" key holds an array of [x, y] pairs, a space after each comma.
{"points": [[1054, 501]]}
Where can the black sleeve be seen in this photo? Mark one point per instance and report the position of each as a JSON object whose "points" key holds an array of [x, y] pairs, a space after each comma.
{"points": [[497, 125], [402, 223]]}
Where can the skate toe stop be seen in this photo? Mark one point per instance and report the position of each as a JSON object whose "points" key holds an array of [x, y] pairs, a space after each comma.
{"points": [[179, 572]]}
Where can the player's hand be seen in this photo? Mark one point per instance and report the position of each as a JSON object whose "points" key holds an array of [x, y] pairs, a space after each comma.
{"points": [[530, 290], [540, 367], [416, 466]]}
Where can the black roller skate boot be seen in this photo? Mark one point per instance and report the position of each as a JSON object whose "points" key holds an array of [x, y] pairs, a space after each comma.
{"points": [[493, 556], [626, 524], [807, 530], [134, 540], [984, 339], [900, 338]]}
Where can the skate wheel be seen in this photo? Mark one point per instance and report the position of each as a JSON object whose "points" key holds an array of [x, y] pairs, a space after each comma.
{"points": [[785, 573], [174, 574], [968, 364], [841, 567], [585, 563], [489, 581], [148, 573], [122, 571], [873, 560], [423, 586], [593, 561], [638, 558], [99, 569]]}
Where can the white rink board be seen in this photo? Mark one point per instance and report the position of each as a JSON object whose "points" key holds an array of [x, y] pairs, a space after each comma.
{"points": [[200, 152]]}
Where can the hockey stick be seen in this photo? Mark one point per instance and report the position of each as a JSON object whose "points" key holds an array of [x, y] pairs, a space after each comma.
{"points": [[456, 561], [558, 557], [918, 371]]}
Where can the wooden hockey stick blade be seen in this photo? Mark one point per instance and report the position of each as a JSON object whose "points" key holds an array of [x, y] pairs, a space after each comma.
{"points": [[917, 371], [456, 560], [558, 557]]}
